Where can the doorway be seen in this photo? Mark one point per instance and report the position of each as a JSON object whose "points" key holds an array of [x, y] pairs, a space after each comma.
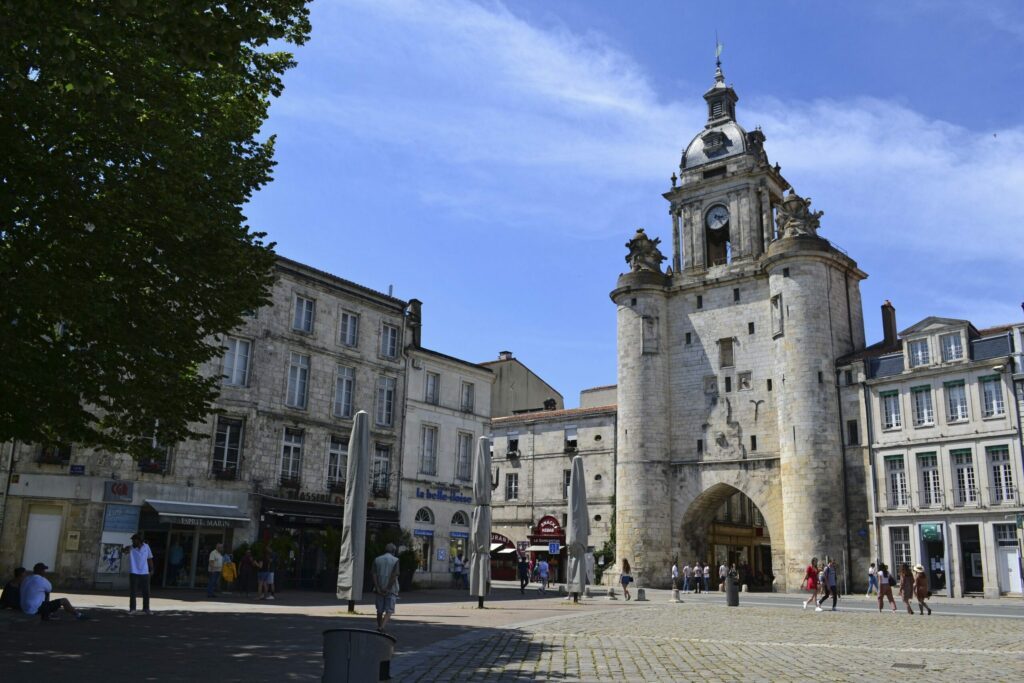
{"points": [[972, 569], [1008, 559], [179, 570], [933, 555], [42, 535]]}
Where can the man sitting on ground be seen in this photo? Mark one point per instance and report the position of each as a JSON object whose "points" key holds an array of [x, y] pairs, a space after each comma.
{"points": [[11, 597], [35, 596]]}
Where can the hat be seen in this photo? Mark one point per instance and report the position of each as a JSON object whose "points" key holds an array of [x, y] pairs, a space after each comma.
{"points": [[918, 569], [39, 567]]}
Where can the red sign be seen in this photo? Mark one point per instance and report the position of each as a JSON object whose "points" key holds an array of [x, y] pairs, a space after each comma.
{"points": [[548, 526], [503, 540]]}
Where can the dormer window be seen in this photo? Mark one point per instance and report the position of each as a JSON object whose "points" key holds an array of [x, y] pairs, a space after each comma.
{"points": [[919, 353], [952, 347], [717, 108], [714, 141]]}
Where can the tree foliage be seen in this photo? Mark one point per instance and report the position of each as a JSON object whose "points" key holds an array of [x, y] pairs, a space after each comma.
{"points": [[129, 143]]}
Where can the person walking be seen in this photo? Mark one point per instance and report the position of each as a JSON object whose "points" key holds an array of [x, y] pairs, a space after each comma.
{"points": [[385, 585], [140, 562], [459, 571], [872, 581], [828, 581], [213, 568], [810, 582], [229, 574], [707, 577], [543, 570], [921, 589], [675, 575], [723, 571], [246, 572], [625, 578], [687, 576], [885, 587], [698, 577], [906, 587], [524, 573]]}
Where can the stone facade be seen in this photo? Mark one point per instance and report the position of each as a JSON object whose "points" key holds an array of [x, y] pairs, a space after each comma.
{"points": [[517, 389], [933, 414], [447, 410], [726, 363]]}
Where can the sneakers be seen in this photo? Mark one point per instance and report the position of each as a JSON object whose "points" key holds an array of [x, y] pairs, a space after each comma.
{"points": [[833, 609], [270, 597], [818, 609], [146, 611], [805, 605]]}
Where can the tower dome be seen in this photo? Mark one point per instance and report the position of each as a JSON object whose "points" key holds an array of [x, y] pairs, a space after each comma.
{"points": [[722, 137]]}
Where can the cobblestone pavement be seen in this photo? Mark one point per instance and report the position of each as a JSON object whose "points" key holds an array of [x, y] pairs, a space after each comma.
{"points": [[711, 642]]}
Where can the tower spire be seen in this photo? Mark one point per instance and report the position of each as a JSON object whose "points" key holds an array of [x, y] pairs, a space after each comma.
{"points": [[719, 76]]}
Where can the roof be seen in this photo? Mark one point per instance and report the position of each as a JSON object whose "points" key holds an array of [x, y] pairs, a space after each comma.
{"points": [[431, 352], [997, 329], [605, 387], [546, 415], [874, 351], [342, 282], [516, 360]]}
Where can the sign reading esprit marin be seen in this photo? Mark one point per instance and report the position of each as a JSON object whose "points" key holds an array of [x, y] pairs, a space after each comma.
{"points": [[452, 495], [199, 521], [118, 491]]}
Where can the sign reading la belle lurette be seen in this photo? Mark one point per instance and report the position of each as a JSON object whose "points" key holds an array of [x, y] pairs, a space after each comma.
{"points": [[453, 495]]}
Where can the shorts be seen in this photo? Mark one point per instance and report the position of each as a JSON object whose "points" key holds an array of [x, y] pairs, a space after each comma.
{"points": [[386, 603], [265, 577], [49, 607]]}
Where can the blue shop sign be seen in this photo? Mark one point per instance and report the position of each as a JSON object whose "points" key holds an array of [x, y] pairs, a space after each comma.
{"points": [[422, 532], [460, 534], [123, 518], [77, 470], [452, 495]]}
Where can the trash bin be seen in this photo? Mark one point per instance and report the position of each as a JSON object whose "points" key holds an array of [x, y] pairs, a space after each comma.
{"points": [[356, 655], [732, 592]]}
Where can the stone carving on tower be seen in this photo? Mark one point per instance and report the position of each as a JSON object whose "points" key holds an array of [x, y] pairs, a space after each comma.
{"points": [[644, 253], [794, 217]]}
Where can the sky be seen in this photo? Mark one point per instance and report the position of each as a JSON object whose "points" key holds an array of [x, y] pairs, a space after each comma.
{"points": [[491, 159]]}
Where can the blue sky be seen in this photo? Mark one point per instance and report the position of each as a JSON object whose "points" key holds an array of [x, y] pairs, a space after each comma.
{"points": [[491, 159]]}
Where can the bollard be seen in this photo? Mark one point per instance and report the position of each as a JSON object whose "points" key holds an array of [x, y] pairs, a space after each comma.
{"points": [[611, 593], [641, 596], [352, 654], [561, 589], [675, 595], [587, 593], [732, 592]]}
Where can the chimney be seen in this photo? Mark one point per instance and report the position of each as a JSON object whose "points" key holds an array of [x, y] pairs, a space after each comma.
{"points": [[415, 321], [504, 355], [889, 323]]}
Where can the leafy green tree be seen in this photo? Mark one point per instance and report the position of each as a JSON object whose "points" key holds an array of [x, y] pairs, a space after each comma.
{"points": [[129, 144]]}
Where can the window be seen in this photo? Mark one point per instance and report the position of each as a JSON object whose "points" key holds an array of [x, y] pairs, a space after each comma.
{"points": [[769, 385], [753, 442], [513, 443], [298, 381], [424, 516], [710, 384], [467, 397], [924, 413], [1002, 475], [1006, 535], [380, 473], [463, 456], [291, 455], [304, 311], [931, 485], [337, 462], [571, 440], [59, 453], [385, 401], [512, 486], [821, 377], [566, 479], [852, 433], [344, 389], [849, 377], [785, 272], [900, 538], [963, 477], [725, 359], [891, 410], [750, 328], [689, 338], [227, 446], [460, 518], [700, 301], [919, 353], [743, 381], [777, 327], [728, 384], [428, 450], [432, 388], [956, 401], [236, 362], [349, 331], [700, 446], [735, 294], [388, 341], [952, 348], [992, 397], [896, 479]]}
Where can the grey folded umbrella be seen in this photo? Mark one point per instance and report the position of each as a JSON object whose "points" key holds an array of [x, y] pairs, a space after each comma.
{"points": [[578, 532], [353, 526], [480, 522]]}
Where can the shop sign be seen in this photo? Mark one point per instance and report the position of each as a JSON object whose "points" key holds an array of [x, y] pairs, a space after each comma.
{"points": [[548, 526], [77, 470], [459, 534], [523, 546], [554, 548], [118, 491], [931, 532], [311, 496], [442, 554], [503, 540], [198, 521], [422, 532], [123, 518], [452, 495]]}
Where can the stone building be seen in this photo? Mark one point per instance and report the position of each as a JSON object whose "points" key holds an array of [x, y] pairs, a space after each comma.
{"points": [[518, 389], [447, 410], [272, 467], [726, 366], [532, 455], [932, 411]]}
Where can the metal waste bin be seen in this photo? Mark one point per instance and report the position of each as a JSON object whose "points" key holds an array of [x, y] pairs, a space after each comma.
{"points": [[356, 655], [732, 592]]}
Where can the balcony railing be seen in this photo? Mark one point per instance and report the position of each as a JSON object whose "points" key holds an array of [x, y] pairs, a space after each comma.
{"points": [[931, 499], [335, 484], [225, 472], [1003, 495], [897, 500], [379, 490], [965, 497], [290, 481]]}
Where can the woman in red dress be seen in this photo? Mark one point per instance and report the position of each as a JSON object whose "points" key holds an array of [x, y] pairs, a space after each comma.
{"points": [[811, 581]]}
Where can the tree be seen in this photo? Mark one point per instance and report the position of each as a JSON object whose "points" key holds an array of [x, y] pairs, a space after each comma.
{"points": [[129, 143]]}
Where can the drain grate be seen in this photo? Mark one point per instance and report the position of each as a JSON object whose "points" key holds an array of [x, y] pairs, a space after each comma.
{"points": [[908, 666]]}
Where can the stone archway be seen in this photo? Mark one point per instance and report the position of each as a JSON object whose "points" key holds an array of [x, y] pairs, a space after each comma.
{"points": [[702, 488]]}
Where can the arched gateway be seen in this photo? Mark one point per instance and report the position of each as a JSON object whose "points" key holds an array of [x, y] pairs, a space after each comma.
{"points": [[726, 368]]}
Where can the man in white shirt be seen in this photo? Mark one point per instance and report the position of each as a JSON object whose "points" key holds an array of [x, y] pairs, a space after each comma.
{"points": [[385, 585], [214, 566], [35, 596], [723, 571], [140, 561], [687, 575], [675, 576]]}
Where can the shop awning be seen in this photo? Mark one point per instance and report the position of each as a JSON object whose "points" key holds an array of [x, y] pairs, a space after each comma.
{"points": [[495, 546], [538, 549], [198, 514], [506, 550]]}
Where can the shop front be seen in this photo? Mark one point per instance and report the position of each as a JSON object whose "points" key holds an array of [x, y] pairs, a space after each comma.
{"points": [[503, 558], [548, 531]]}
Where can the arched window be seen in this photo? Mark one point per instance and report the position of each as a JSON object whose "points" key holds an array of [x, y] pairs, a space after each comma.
{"points": [[460, 519], [425, 516], [717, 242]]}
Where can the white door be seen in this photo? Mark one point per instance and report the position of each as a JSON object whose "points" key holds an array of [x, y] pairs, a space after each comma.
{"points": [[42, 536], [1009, 570]]}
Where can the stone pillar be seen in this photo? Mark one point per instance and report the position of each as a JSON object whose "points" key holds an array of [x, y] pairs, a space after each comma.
{"points": [[676, 245]]}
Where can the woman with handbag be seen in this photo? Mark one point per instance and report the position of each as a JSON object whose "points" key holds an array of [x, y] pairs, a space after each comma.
{"points": [[625, 579], [921, 590], [906, 587], [885, 587], [810, 581]]}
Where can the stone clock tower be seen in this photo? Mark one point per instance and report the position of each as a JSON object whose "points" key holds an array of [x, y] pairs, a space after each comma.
{"points": [[726, 363]]}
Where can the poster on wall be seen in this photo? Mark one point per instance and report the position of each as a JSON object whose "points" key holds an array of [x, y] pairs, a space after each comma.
{"points": [[110, 558]]}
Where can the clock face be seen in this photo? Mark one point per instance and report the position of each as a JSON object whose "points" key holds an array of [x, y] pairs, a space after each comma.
{"points": [[718, 217]]}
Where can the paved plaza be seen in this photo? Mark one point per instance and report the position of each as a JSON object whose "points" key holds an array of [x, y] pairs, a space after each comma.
{"points": [[441, 636]]}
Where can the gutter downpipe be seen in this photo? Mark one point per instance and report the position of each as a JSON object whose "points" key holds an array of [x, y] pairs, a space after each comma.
{"points": [[871, 463], [846, 493]]}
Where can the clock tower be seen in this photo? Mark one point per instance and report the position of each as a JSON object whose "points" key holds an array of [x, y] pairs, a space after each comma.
{"points": [[726, 368]]}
